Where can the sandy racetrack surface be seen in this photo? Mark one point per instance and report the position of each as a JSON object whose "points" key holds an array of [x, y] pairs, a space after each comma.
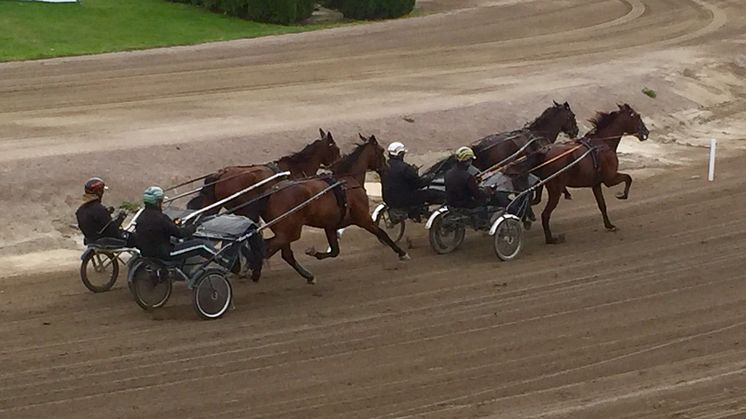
{"points": [[647, 321]]}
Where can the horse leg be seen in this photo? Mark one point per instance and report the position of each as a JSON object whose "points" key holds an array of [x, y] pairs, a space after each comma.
{"points": [[567, 194], [289, 257], [554, 196], [332, 236], [619, 178], [384, 238], [598, 193]]}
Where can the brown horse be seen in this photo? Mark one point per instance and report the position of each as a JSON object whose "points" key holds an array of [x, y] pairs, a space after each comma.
{"points": [[346, 205], [599, 167], [232, 179]]}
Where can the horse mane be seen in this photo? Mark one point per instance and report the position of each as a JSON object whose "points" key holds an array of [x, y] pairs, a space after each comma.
{"points": [[345, 163], [301, 156], [543, 118], [601, 121]]}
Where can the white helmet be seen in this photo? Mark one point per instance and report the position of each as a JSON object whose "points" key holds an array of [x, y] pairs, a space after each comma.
{"points": [[396, 149]]}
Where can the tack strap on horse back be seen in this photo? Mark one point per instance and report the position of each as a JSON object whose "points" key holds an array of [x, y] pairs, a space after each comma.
{"points": [[339, 195], [594, 152], [301, 206], [274, 167]]}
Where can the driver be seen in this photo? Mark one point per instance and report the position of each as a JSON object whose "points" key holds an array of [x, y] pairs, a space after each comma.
{"points": [[402, 185], [154, 231], [94, 220], [462, 187]]}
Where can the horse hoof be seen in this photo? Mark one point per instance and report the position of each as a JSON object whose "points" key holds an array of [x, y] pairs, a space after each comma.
{"points": [[311, 281], [311, 251], [526, 225], [621, 196], [557, 240], [405, 257], [611, 228]]}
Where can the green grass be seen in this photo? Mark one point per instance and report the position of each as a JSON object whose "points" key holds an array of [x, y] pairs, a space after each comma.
{"points": [[43, 30]]}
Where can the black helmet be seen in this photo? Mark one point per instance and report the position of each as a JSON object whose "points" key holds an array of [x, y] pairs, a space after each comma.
{"points": [[96, 186]]}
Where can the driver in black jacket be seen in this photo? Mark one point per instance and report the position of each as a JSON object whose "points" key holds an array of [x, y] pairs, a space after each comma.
{"points": [[402, 185], [94, 220], [154, 231]]}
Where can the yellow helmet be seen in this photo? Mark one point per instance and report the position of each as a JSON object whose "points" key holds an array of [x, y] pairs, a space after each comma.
{"points": [[464, 154]]}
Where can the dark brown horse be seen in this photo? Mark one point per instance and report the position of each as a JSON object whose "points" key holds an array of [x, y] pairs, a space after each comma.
{"points": [[232, 179], [331, 211], [599, 167], [495, 148]]}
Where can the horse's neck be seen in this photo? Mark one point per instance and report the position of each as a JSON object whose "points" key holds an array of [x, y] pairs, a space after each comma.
{"points": [[304, 168], [609, 136], [549, 130]]}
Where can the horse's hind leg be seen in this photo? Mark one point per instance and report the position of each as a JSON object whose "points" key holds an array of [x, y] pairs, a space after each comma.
{"points": [[289, 257], [619, 178], [567, 194], [554, 196], [332, 236], [598, 193]]}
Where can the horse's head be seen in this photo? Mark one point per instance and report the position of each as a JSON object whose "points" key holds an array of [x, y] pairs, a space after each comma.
{"points": [[567, 117], [375, 155], [632, 122], [327, 148]]}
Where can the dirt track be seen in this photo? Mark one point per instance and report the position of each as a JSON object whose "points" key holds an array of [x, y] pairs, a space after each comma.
{"points": [[648, 321]]}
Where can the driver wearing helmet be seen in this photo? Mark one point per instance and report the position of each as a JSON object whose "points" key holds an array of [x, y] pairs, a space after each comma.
{"points": [[462, 187], [402, 185], [94, 220], [154, 231]]}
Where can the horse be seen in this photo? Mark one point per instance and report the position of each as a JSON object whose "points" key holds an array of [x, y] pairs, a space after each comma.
{"points": [[599, 167], [232, 179], [340, 207], [495, 148]]}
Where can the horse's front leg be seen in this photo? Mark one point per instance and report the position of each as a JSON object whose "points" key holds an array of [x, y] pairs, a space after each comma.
{"points": [[332, 237], [617, 179], [598, 193], [554, 197]]}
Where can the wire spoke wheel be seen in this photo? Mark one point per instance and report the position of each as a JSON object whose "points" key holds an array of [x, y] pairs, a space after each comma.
{"points": [[99, 271], [150, 290], [508, 239], [212, 295], [446, 237], [395, 231]]}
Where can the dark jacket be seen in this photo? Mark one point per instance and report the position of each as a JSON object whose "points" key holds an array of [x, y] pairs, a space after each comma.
{"points": [[462, 189], [400, 182], [95, 221], [154, 231]]}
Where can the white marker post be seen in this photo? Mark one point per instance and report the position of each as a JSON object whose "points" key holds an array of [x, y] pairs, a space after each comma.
{"points": [[713, 150]]}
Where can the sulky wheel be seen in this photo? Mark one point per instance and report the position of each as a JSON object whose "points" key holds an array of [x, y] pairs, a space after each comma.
{"points": [[445, 237], [99, 271], [508, 239], [395, 231], [212, 295], [150, 290]]}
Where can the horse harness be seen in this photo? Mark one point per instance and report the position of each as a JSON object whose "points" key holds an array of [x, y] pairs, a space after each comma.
{"points": [[340, 195], [274, 167]]}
